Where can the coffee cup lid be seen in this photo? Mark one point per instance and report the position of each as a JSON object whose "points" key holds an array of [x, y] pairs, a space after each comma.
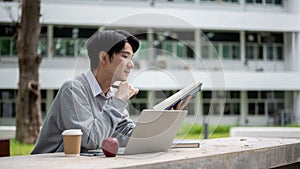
{"points": [[72, 132]]}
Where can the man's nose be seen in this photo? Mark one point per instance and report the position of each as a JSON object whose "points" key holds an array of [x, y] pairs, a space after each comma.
{"points": [[130, 63]]}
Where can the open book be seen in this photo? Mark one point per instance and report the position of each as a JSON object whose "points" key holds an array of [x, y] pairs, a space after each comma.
{"points": [[181, 95]]}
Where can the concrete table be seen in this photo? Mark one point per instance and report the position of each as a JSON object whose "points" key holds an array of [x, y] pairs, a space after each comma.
{"points": [[233, 152]]}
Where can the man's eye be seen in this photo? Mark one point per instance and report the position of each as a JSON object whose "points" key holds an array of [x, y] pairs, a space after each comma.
{"points": [[124, 56]]}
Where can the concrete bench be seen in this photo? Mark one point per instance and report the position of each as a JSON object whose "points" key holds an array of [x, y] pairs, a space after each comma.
{"points": [[270, 132], [225, 153]]}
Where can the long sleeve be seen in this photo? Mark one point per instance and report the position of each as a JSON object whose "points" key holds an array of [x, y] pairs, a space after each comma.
{"points": [[75, 107], [97, 117]]}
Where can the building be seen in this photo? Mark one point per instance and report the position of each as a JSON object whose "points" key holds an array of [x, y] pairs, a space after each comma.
{"points": [[246, 52]]}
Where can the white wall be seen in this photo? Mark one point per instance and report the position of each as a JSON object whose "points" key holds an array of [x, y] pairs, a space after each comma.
{"points": [[190, 17]]}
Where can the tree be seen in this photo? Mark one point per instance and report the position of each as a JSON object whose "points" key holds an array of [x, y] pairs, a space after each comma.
{"points": [[28, 111]]}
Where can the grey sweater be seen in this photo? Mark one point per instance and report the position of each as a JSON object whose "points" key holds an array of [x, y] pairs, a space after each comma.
{"points": [[75, 107]]}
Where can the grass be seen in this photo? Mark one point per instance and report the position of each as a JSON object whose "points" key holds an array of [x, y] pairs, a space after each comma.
{"points": [[196, 131], [17, 148]]}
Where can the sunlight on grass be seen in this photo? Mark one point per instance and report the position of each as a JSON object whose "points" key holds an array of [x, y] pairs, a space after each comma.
{"points": [[188, 131], [17, 148]]}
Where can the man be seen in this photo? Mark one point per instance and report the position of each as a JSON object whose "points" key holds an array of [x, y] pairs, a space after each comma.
{"points": [[88, 101]]}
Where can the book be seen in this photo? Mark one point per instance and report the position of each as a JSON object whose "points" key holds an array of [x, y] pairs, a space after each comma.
{"points": [[181, 95], [185, 144]]}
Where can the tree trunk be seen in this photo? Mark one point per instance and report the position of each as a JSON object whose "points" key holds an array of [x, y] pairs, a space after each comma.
{"points": [[28, 111]]}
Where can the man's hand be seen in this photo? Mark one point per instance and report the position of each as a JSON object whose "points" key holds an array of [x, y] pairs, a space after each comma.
{"points": [[126, 91], [182, 104]]}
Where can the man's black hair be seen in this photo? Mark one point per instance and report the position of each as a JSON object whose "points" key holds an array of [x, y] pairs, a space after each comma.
{"points": [[109, 41]]}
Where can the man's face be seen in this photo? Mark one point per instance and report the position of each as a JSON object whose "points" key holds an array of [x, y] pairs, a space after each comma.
{"points": [[121, 64]]}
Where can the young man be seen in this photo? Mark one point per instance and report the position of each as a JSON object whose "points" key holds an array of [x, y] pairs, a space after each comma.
{"points": [[88, 101]]}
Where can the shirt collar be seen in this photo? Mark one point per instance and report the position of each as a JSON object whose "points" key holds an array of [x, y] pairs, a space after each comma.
{"points": [[96, 89]]}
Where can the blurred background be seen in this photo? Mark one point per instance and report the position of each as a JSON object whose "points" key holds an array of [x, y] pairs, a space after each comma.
{"points": [[246, 53]]}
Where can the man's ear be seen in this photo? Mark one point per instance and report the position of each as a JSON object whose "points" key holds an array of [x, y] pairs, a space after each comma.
{"points": [[102, 57]]}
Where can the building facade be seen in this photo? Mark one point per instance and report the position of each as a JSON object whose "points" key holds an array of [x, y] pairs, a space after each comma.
{"points": [[246, 53]]}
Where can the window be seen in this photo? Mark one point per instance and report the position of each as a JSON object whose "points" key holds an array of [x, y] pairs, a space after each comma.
{"points": [[70, 42], [232, 105], [8, 103], [178, 44], [8, 44], [264, 46], [221, 44], [265, 102], [221, 1], [265, 2], [213, 102]]}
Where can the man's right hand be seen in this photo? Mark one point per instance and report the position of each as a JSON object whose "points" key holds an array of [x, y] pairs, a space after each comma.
{"points": [[126, 91]]}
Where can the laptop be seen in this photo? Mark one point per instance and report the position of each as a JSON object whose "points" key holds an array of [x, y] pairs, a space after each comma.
{"points": [[154, 132], [156, 128]]}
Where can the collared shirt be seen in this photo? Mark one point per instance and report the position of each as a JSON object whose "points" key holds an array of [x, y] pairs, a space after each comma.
{"points": [[96, 89], [76, 107]]}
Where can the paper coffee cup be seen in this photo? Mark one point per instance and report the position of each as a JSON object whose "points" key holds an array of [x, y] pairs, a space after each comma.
{"points": [[72, 142]]}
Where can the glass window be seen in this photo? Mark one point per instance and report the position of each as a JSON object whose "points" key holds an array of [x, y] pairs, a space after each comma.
{"points": [[8, 103], [235, 52], [251, 109], [180, 50], [266, 94], [82, 51], [271, 108], [5, 46], [261, 108], [216, 48], [260, 53], [278, 2], [206, 107], [279, 53], [250, 52], [226, 52], [204, 52], [266, 102], [252, 94], [235, 94], [236, 108], [279, 95], [227, 109], [206, 94], [70, 45], [42, 47], [270, 52]]}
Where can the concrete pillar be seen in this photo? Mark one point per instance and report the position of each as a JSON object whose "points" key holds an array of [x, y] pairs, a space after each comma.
{"points": [[295, 58], [242, 3], [243, 108], [50, 47], [197, 37], [151, 50], [151, 98], [198, 107], [243, 47]]}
